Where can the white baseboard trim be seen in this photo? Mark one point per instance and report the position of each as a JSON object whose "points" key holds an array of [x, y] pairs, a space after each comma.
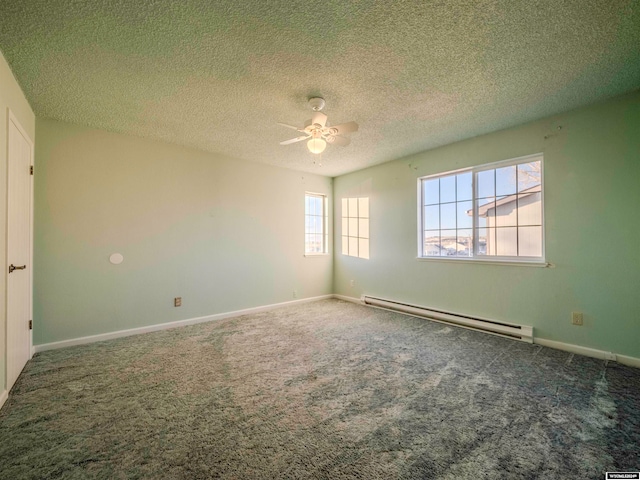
{"points": [[569, 347], [347, 299], [165, 326], [3, 397], [630, 361], [589, 352]]}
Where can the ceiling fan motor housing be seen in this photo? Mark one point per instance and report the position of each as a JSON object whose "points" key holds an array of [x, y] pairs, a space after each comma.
{"points": [[316, 103]]}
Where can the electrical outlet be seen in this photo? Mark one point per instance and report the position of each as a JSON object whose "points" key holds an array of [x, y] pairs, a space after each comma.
{"points": [[353, 283], [295, 294], [576, 318], [177, 302]]}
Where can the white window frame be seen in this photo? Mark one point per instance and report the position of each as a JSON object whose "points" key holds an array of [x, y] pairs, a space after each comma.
{"points": [[325, 224], [475, 258]]}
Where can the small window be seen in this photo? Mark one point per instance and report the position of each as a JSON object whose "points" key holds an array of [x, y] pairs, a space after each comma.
{"points": [[316, 239], [355, 227], [491, 212]]}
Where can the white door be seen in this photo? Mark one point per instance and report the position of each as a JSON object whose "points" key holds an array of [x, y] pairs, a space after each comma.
{"points": [[20, 154]]}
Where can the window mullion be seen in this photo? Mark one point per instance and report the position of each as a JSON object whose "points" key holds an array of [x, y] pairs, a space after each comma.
{"points": [[517, 215], [474, 217]]}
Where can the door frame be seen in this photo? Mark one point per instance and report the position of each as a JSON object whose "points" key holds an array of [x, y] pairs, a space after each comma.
{"points": [[11, 118]]}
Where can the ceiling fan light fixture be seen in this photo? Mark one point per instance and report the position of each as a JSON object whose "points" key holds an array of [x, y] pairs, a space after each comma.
{"points": [[318, 133], [316, 145]]}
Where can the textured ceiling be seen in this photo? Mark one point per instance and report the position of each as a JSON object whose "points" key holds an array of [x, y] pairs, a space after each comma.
{"points": [[218, 75]]}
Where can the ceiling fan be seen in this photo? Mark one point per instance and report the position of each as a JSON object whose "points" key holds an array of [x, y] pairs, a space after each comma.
{"points": [[318, 132]]}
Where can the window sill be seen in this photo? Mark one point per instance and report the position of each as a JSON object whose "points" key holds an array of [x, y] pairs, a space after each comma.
{"points": [[487, 262], [316, 255]]}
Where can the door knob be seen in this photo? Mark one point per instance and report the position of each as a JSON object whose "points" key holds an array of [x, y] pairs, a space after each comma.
{"points": [[12, 267]]}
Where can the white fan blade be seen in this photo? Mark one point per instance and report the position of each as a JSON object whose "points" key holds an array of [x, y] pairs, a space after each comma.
{"points": [[320, 119], [336, 140], [290, 126], [343, 128], [294, 140]]}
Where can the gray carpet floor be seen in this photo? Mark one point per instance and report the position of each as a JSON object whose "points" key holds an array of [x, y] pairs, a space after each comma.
{"points": [[324, 390]]}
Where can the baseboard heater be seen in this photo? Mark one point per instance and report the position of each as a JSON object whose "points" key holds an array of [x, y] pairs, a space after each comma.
{"points": [[518, 332]]}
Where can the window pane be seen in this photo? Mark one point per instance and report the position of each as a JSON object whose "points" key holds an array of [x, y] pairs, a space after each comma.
{"points": [[507, 241], [529, 209], [363, 207], [485, 212], [431, 189], [481, 241], [345, 226], [363, 248], [432, 217], [345, 207], [506, 214], [486, 184], [464, 190], [363, 228], [319, 225], [353, 246], [448, 241], [353, 227], [307, 205], [345, 245], [506, 180], [465, 242], [448, 189], [448, 215], [529, 175], [432, 243], [491, 242], [465, 212], [530, 241], [486, 241]]}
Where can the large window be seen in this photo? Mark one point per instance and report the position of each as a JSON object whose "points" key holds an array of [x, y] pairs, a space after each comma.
{"points": [[491, 212], [355, 227], [316, 238]]}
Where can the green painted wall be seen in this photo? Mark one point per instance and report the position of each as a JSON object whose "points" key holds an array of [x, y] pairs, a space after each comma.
{"points": [[11, 97], [223, 234], [592, 195]]}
